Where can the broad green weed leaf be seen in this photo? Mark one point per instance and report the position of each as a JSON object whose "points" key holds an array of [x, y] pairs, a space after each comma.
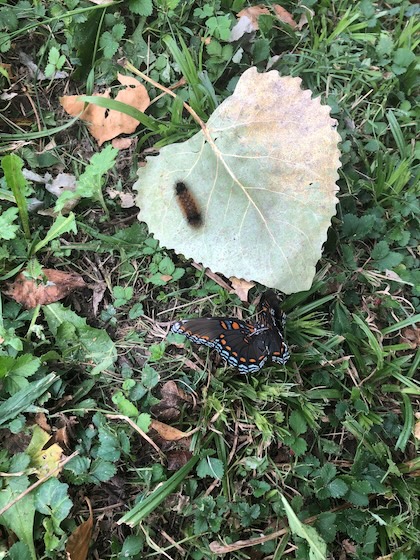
{"points": [[124, 405], [19, 518], [51, 499], [210, 466], [25, 398], [19, 551], [12, 167], [77, 340], [7, 228], [317, 546], [102, 470], [263, 178], [62, 224]]}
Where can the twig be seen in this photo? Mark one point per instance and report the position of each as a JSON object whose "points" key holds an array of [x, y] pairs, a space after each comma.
{"points": [[138, 430]]}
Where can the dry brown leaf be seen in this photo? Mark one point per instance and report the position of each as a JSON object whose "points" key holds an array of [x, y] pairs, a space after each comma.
{"points": [[167, 432], [412, 336], [303, 20], [171, 391], [53, 286], [99, 290], [122, 143], [106, 124], [42, 422], [241, 287], [169, 408], [177, 458], [61, 183], [417, 430], [127, 199], [284, 16], [77, 547], [253, 13]]}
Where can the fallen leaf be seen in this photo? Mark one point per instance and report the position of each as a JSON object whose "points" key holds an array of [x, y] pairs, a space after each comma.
{"points": [[43, 460], [61, 183], [412, 336], [284, 16], [264, 175], [173, 398], [248, 20], [42, 422], [171, 392], [47, 460], [253, 13], [244, 25], [177, 458], [78, 543], [417, 430], [167, 432], [106, 124], [99, 290], [303, 20], [127, 199], [122, 143], [66, 429], [241, 287], [52, 286]]}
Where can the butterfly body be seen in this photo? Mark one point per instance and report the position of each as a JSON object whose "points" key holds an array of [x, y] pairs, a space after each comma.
{"points": [[246, 345]]}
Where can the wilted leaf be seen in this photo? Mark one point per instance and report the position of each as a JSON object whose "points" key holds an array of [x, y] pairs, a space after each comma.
{"points": [[417, 429], [44, 460], [265, 184], [122, 143], [61, 183], [126, 199], [177, 459], [169, 408], [107, 124], [78, 543], [167, 432], [253, 13], [51, 286], [284, 16], [241, 287]]}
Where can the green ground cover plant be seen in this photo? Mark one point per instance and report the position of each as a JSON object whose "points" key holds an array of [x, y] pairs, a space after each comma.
{"points": [[180, 457]]}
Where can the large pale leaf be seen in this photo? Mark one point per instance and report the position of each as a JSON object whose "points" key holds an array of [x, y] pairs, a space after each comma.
{"points": [[264, 178]]}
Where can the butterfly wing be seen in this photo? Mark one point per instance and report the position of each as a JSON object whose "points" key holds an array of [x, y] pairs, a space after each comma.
{"points": [[274, 319], [246, 345], [238, 342]]}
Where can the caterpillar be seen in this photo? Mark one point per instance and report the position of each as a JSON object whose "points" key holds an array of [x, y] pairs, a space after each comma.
{"points": [[188, 205]]}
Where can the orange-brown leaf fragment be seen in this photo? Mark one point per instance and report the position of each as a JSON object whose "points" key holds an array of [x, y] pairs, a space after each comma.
{"points": [[167, 432], [241, 287], [284, 16], [253, 13], [78, 543], [51, 286], [106, 124]]}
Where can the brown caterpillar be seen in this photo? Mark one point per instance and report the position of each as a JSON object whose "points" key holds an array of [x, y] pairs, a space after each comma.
{"points": [[188, 205]]}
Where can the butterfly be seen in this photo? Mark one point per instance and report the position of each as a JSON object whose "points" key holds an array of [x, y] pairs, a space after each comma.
{"points": [[246, 345]]}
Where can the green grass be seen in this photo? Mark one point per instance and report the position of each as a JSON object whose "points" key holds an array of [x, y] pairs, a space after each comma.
{"points": [[318, 456]]}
